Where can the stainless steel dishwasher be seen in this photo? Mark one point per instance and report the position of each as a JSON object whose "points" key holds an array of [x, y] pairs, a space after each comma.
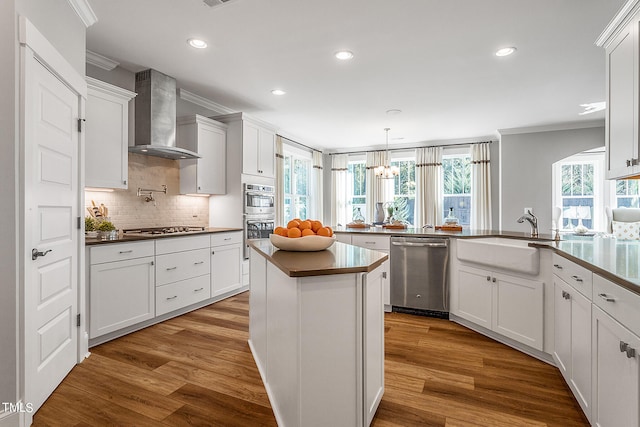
{"points": [[419, 283]]}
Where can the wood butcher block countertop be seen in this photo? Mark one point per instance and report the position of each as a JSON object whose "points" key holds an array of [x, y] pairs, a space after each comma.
{"points": [[340, 258]]}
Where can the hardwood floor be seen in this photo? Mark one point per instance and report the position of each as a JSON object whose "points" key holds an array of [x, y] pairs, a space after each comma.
{"points": [[197, 369]]}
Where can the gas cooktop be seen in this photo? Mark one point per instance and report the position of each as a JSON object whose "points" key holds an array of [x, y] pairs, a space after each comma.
{"points": [[163, 230]]}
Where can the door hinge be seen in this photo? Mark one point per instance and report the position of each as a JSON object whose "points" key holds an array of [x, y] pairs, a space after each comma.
{"points": [[80, 124], [384, 274], [78, 320], [79, 223]]}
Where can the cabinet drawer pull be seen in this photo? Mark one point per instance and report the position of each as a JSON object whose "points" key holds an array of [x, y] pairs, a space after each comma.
{"points": [[198, 290], [173, 297], [153, 263], [623, 346], [577, 279], [126, 252], [488, 278], [631, 353], [558, 266], [370, 243], [228, 238], [199, 262], [171, 268], [213, 252], [566, 295], [607, 298]]}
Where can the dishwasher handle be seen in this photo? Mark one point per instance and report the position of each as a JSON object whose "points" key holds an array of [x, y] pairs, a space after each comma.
{"points": [[427, 245]]}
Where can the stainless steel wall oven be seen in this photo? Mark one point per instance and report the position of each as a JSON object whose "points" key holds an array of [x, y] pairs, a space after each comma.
{"points": [[259, 212]]}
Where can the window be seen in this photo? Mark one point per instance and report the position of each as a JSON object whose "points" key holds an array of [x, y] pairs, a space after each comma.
{"points": [[456, 183], [404, 187], [356, 192], [582, 192], [297, 178]]}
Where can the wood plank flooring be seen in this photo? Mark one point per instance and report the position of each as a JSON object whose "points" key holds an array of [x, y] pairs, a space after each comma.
{"points": [[197, 370]]}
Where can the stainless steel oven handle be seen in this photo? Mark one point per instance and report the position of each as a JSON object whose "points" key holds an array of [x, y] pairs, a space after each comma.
{"points": [[428, 245]]}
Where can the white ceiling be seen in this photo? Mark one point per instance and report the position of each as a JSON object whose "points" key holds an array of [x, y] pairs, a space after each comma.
{"points": [[432, 59]]}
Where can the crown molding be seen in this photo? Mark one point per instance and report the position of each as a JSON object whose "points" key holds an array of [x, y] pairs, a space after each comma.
{"points": [[101, 61], [620, 21], [84, 12], [203, 102], [555, 127], [109, 89]]}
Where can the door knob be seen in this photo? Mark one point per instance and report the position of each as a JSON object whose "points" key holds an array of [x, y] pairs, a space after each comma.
{"points": [[35, 253]]}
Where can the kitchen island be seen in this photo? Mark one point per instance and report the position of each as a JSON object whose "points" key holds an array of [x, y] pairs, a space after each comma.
{"points": [[317, 332]]}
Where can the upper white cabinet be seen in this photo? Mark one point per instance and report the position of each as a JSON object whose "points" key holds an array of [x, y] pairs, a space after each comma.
{"points": [[107, 135], [208, 138], [258, 142], [621, 41]]}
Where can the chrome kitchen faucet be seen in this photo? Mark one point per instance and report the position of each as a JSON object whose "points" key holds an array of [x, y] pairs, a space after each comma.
{"points": [[533, 221]]}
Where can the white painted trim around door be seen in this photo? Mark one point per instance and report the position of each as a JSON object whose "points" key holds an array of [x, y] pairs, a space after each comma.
{"points": [[84, 12]]}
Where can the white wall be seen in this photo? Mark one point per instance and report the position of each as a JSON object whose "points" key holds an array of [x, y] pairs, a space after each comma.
{"points": [[526, 161], [58, 22]]}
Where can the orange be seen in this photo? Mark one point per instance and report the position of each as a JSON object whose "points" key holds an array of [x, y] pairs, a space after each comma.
{"points": [[295, 232], [283, 232], [330, 230], [278, 230], [324, 231], [308, 232], [305, 225], [293, 223], [316, 225]]}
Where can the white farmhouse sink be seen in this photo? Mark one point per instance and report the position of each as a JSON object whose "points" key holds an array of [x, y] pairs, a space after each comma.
{"points": [[498, 252]]}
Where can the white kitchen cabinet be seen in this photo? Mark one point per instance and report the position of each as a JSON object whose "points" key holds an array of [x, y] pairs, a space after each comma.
{"points": [[377, 243], [122, 291], [622, 140], [616, 373], [509, 305], [572, 341], [226, 262], [107, 135], [258, 150], [257, 140], [208, 138], [182, 272], [343, 238]]}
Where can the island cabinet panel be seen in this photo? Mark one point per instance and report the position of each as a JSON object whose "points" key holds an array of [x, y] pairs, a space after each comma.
{"points": [[318, 342]]}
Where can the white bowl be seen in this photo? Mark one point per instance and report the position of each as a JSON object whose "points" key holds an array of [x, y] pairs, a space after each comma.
{"points": [[301, 244]]}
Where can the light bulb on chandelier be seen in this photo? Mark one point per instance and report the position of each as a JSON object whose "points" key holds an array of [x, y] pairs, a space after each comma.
{"points": [[387, 171]]}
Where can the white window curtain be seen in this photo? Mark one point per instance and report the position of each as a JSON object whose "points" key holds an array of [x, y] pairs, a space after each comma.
{"points": [[316, 186], [339, 168], [428, 209], [480, 186], [279, 180], [377, 190]]}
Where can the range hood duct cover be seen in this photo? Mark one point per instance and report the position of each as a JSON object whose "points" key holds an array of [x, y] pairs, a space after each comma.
{"points": [[155, 126]]}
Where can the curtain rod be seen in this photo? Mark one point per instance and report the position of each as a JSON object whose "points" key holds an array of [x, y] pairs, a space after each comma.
{"points": [[299, 143], [413, 148]]}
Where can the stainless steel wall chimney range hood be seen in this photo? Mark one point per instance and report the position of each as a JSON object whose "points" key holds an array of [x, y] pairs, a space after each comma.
{"points": [[155, 126]]}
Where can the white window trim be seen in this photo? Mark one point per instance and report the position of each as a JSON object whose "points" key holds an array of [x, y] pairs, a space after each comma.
{"points": [[296, 152]]}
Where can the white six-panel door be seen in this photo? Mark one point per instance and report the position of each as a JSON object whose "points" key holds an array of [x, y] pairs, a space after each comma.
{"points": [[50, 211]]}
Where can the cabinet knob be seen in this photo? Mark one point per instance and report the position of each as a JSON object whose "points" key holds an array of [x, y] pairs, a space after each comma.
{"points": [[558, 266], [124, 182], [628, 162], [566, 295], [199, 188], [493, 279], [488, 278], [213, 252], [631, 353], [623, 346]]}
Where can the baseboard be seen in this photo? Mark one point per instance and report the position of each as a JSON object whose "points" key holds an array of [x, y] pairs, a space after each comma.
{"points": [[14, 419], [540, 355]]}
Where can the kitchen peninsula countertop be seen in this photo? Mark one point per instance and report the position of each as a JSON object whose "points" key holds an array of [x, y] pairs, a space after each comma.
{"points": [[430, 232], [123, 238], [340, 258]]}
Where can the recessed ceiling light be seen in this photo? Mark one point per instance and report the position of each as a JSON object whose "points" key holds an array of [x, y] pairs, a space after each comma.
{"points": [[394, 111], [278, 92], [506, 51], [593, 107], [197, 43], [344, 54]]}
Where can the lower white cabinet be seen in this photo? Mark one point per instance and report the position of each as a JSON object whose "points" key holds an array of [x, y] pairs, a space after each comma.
{"points": [[226, 262], [122, 292], [376, 243], [509, 305], [572, 340], [181, 294], [616, 374]]}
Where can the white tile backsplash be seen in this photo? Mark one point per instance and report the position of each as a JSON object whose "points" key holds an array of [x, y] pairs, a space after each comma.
{"points": [[127, 210]]}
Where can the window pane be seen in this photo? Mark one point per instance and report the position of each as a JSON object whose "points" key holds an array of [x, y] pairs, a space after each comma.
{"points": [[457, 187], [566, 180]]}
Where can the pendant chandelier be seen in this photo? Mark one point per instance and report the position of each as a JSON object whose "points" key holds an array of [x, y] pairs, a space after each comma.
{"points": [[386, 171]]}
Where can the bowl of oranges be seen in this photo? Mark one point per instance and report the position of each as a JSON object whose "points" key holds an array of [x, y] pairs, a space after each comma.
{"points": [[303, 236]]}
